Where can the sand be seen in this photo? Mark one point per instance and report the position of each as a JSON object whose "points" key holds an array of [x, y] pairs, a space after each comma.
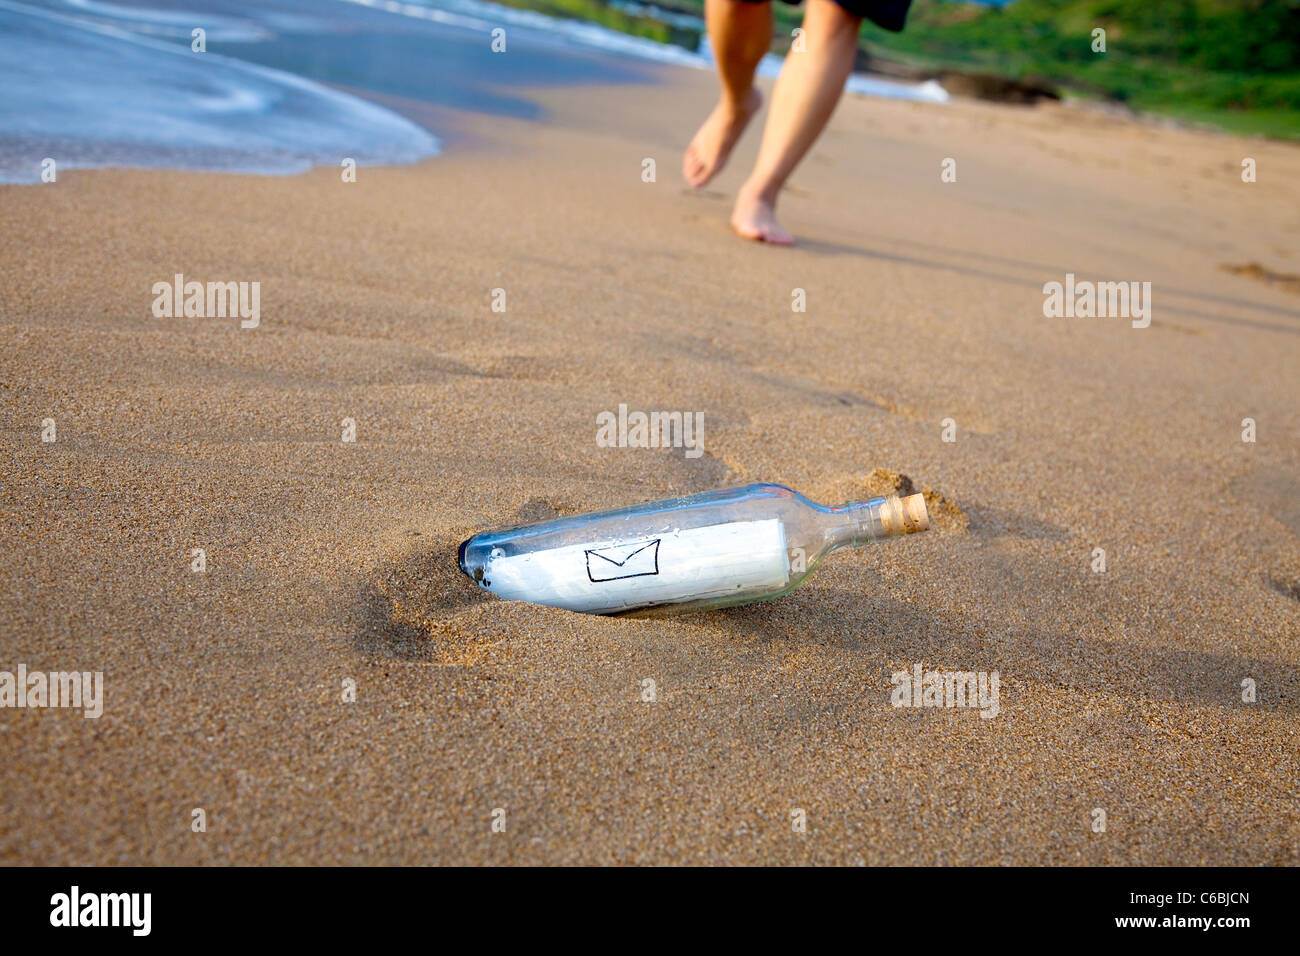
{"points": [[330, 561]]}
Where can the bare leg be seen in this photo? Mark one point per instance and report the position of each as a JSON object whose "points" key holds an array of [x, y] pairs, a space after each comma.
{"points": [[740, 34], [806, 92]]}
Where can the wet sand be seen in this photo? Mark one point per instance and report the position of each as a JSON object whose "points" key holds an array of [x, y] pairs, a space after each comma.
{"points": [[330, 561]]}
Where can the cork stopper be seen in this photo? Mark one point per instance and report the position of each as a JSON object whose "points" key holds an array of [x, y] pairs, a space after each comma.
{"points": [[904, 515]]}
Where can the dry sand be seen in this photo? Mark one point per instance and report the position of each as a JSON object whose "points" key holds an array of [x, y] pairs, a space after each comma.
{"points": [[329, 561]]}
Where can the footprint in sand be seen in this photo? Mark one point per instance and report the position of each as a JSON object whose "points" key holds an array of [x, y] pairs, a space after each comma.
{"points": [[1253, 270]]}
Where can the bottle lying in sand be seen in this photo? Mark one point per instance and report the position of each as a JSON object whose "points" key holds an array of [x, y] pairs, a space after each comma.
{"points": [[685, 554]]}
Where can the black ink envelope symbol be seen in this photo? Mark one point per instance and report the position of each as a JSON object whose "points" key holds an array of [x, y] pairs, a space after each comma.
{"points": [[613, 564]]}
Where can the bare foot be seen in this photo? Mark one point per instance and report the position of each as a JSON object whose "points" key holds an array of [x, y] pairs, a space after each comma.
{"points": [[711, 146], [755, 218]]}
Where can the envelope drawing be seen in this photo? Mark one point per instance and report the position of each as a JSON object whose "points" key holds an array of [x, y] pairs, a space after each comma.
{"points": [[623, 561]]}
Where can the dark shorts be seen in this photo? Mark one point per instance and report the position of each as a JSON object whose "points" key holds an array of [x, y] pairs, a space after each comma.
{"points": [[889, 14]]}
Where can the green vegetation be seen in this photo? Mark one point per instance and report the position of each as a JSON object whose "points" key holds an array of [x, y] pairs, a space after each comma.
{"points": [[1229, 63]]}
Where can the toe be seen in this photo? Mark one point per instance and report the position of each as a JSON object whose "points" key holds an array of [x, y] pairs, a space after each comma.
{"points": [[692, 167]]}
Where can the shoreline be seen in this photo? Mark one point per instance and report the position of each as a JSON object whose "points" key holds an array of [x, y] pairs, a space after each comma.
{"points": [[299, 101]]}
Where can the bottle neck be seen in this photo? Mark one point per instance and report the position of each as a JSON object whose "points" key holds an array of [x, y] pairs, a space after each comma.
{"points": [[859, 522]]}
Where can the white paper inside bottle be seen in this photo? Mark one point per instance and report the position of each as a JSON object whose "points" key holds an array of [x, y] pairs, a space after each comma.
{"points": [[670, 568]]}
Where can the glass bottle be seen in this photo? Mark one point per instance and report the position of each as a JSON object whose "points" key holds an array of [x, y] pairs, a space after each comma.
{"points": [[696, 553]]}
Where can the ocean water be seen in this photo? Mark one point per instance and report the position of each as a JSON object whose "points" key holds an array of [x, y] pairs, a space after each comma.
{"points": [[86, 93], [287, 84]]}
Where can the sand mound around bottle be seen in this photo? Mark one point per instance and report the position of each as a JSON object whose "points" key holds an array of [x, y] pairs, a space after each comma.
{"points": [[406, 606], [945, 515]]}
